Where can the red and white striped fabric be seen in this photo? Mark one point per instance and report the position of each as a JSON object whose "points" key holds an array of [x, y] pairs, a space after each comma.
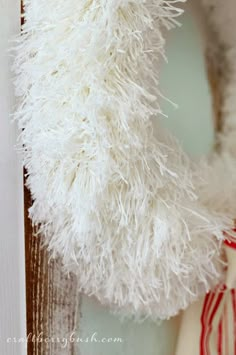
{"points": [[209, 326], [218, 322]]}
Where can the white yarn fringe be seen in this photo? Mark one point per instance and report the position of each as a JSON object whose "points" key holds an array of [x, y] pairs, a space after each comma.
{"points": [[115, 202]]}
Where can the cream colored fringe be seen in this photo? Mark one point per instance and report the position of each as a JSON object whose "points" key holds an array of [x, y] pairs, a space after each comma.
{"points": [[115, 202]]}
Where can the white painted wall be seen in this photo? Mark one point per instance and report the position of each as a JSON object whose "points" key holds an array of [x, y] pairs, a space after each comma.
{"points": [[12, 279]]}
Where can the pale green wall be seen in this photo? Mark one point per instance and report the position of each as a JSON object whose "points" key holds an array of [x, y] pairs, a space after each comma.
{"points": [[138, 339], [183, 81]]}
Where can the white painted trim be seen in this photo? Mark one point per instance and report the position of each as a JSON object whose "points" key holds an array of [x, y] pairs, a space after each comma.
{"points": [[12, 271]]}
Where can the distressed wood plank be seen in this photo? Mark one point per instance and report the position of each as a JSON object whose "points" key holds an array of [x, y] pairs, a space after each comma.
{"points": [[215, 70], [52, 298]]}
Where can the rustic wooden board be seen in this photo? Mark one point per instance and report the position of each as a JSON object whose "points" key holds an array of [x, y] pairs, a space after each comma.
{"points": [[214, 65], [52, 298]]}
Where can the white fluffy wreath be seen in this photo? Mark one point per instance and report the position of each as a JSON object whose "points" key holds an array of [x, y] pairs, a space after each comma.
{"points": [[115, 202]]}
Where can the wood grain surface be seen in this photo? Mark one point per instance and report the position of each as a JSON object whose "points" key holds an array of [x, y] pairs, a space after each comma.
{"points": [[52, 298]]}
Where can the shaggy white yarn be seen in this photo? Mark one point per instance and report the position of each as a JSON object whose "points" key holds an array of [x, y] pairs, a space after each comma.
{"points": [[115, 202]]}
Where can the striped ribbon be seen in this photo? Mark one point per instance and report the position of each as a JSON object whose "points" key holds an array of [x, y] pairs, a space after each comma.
{"points": [[218, 318]]}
